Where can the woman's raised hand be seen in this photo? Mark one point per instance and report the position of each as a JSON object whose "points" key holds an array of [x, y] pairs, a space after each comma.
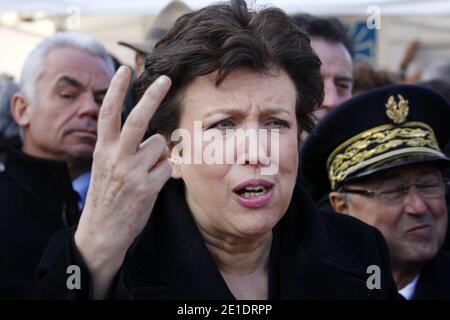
{"points": [[127, 175]]}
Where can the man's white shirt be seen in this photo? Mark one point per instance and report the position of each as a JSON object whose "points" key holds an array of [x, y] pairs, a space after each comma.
{"points": [[408, 291]]}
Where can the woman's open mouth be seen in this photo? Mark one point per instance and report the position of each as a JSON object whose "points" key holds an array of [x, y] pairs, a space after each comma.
{"points": [[254, 193]]}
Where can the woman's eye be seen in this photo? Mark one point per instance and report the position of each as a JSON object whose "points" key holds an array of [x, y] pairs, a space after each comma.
{"points": [[223, 124]]}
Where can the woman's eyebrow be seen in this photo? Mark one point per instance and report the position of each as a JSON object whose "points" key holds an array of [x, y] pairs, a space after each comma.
{"points": [[227, 111], [243, 112], [275, 110]]}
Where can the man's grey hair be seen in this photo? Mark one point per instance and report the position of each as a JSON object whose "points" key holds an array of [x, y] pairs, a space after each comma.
{"points": [[8, 127], [34, 64]]}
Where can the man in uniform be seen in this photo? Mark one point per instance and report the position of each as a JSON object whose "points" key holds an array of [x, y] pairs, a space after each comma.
{"points": [[379, 157]]}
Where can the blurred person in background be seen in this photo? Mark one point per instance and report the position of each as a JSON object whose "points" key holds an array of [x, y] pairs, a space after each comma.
{"points": [[438, 85], [163, 22], [335, 50], [42, 190], [9, 130], [439, 70], [366, 78]]}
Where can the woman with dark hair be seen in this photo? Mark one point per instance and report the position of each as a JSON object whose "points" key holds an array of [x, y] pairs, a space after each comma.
{"points": [[214, 230]]}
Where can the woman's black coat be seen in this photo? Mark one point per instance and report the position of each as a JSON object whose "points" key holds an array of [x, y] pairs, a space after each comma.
{"points": [[314, 255]]}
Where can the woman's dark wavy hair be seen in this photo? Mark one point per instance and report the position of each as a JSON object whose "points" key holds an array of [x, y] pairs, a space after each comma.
{"points": [[224, 37]]}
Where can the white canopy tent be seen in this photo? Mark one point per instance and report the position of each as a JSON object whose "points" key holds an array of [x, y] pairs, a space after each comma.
{"points": [[23, 23], [151, 7]]}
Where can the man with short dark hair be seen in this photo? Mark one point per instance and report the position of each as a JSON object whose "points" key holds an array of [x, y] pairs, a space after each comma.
{"points": [[335, 50], [43, 187], [379, 155], [163, 22]]}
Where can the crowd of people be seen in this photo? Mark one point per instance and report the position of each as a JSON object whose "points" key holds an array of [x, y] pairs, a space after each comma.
{"points": [[88, 177]]}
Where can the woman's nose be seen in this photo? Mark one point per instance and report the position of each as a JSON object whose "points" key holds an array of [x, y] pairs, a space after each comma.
{"points": [[254, 147]]}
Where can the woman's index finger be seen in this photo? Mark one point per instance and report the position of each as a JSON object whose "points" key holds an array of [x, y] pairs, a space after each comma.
{"points": [[137, 122], [109, 119]]}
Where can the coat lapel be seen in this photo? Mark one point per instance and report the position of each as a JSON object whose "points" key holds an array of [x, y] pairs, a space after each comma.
{"points": [[313, 258], [434, 280], [307, 259], [184, 268], [309, 275]]}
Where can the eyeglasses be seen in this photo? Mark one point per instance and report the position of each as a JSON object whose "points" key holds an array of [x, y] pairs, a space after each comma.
{"points": [[427, 190]]}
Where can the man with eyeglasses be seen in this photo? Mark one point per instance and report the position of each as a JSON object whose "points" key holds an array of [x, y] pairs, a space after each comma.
{"points": [[379, 156]]}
